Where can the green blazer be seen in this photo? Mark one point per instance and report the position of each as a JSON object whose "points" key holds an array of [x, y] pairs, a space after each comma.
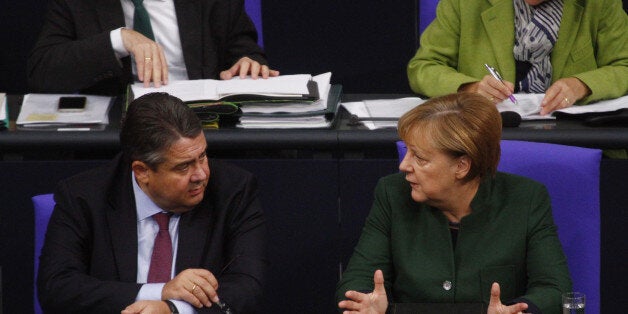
{"points": [[592, 45], [509, 238]]}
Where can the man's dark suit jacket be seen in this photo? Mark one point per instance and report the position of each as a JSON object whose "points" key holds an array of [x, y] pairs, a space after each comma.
{"points": [[74, 52], [89, 259]]}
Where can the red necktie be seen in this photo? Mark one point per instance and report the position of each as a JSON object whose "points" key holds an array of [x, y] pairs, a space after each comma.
{"points": [[161, 260]]}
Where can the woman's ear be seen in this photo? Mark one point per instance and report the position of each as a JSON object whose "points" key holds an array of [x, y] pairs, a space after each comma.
{"points": [[463, 167]]}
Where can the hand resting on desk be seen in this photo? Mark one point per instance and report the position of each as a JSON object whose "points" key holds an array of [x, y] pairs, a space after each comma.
{"points": [[152, 65], [246, 66], [149, 57], [563, 93]]}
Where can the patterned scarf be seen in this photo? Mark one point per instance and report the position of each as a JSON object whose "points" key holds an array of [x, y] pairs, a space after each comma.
{"points": [[536, 31]]}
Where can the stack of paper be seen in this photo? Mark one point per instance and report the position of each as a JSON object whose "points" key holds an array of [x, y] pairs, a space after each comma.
{"points": [[313, 114], [288, 101], [40, 112]]}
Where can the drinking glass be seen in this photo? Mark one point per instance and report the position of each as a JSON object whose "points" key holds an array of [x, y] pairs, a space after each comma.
{"points": [[573, 303]]}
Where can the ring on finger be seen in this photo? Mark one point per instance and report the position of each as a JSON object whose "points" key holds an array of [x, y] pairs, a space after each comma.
{"points": [[566, 100], [193, 287], [147, 59]]}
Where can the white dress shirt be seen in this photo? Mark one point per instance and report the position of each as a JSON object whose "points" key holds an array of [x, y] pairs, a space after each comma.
{"points": [[147, 229]]}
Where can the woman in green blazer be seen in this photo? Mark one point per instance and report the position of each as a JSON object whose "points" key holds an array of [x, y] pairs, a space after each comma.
{"points": [[583, 56], [451, 229]]}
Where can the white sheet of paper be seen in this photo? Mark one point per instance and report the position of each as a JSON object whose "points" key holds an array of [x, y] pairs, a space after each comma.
{"points": [[41, 109], [600, 106], [391, 108], [529, 106], [381, 108], [3, 106]]}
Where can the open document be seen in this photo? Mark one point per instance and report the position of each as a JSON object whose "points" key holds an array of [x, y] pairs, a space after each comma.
{"points": [[41, 112], [284, 87], [529, 107]]}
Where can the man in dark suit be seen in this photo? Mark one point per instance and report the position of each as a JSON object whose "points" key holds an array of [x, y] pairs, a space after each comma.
{"points": [[91, 47], [99, 250]]}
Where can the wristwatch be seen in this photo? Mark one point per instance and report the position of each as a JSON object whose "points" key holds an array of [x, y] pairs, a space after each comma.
{"points": [[173, 308]]}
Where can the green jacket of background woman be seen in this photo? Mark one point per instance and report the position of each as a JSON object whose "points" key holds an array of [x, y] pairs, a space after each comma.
{"points": [[592, 45]]}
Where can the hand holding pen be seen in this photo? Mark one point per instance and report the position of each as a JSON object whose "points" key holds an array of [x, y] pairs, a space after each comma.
{"points": [[198, 287], [498, 77]]}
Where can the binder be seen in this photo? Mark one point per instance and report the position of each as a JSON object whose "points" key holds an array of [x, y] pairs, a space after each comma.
{"points": [[327, 117]]}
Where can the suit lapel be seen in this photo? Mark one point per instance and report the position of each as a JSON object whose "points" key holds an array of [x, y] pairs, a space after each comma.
{"points": [[569, 27], [122, 219], [194, 228], [499, 25], [190, 28]]}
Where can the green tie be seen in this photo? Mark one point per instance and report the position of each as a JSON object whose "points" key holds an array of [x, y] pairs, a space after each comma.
{"points": [[141, 21]]}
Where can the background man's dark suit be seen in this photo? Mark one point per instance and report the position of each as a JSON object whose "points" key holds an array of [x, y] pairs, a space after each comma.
{"points": [[74, 52], [92, 241]]}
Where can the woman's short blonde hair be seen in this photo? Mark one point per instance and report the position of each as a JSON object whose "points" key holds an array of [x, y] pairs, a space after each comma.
{"points": [[458, 124]]}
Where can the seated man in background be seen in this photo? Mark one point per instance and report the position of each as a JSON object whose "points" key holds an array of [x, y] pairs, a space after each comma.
{"points": [[98, 47], [573, 51], [155, 231]]}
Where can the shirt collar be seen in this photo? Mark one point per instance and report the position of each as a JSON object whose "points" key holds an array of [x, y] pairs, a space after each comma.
{"points": [[145, 207]]}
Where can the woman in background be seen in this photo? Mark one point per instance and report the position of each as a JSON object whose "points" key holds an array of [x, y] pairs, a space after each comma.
{"points": [[574, 51]]}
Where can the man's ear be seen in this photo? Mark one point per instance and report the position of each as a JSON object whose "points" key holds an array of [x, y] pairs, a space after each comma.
{"points": [[463, 167], [141, 171]]}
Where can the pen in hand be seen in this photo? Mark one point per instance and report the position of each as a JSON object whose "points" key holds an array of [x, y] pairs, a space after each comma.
{"points": [[498, 77], [224, 308]]}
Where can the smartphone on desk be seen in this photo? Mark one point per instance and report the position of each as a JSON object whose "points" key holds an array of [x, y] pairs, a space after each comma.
{"points": [[72, 104]]}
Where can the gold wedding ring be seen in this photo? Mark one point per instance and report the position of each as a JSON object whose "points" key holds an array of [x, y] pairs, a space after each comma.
{"points": [[193, 287], [147, 59], [566, 100]]}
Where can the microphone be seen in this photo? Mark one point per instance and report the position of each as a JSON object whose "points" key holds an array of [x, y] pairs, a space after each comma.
{"points": [[510, 119]]}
